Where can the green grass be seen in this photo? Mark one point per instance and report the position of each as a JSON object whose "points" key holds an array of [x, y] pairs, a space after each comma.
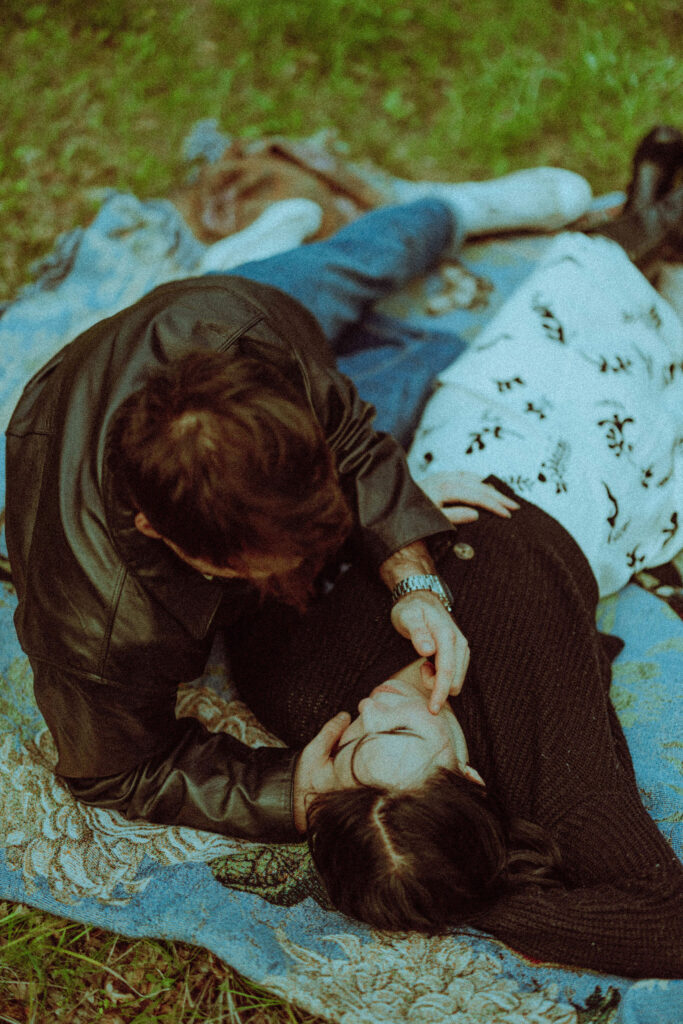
{"points": [[101, 94], [55, 971]]}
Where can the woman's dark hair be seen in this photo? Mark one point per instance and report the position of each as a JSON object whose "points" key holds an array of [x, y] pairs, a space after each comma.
{"points": [[226, 458], [423, 859]]}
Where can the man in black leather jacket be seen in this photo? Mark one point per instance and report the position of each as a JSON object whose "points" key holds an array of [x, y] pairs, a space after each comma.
{"points": [[114, 614]]}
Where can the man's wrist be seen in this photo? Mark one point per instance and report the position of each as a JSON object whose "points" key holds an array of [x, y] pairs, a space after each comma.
{"points": [[412, 560], [429, 582]]}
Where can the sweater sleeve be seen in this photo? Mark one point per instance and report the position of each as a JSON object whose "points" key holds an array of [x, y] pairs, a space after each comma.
{"points": [[527, 602], [621, 909], [553, 751], [635, 931]]}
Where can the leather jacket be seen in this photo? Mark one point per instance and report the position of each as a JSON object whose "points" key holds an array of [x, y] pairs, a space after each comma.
{"points": [[113, 621]]}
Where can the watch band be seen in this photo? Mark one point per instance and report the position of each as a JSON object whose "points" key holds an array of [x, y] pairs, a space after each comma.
{"points": [[427, 582]]}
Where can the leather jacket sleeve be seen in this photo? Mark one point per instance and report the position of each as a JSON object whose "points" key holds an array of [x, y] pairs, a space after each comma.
{"points": [[207, 781], [107, 702], [175, 771], [634, 931]]}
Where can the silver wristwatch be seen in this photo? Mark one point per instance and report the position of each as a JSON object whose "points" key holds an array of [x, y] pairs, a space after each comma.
{"points": [[429, 582]]}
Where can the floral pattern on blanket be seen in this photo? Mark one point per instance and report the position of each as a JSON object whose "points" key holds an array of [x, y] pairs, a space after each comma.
{"points": [[414, 979], [81, 851], [88, 857]]}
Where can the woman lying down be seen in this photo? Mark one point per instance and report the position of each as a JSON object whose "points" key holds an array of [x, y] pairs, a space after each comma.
{"points": [[515, 808]]}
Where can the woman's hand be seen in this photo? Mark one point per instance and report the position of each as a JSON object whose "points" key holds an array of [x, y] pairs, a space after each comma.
{"points": [[447, 490], [314, 770]]}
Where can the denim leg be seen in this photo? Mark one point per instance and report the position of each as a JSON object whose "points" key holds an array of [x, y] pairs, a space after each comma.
{"points": [[394, 365], [338, 278]]}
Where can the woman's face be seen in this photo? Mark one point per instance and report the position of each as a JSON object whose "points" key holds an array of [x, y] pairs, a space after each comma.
{"points": [[397, 742]]}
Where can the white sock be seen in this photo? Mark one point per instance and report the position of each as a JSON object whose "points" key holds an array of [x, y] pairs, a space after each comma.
{"points": [[540, 198], [283, 226]]}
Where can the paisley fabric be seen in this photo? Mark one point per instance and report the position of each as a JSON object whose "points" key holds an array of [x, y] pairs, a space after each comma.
{"points": [[262, 908]]}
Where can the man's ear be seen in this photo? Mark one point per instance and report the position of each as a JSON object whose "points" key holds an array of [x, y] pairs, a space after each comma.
{"points": [[143, 524]]}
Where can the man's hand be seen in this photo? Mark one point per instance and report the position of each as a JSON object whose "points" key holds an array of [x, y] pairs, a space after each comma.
{"points": [[422, 619], [447, 490], [315, 771], [420, 616]]}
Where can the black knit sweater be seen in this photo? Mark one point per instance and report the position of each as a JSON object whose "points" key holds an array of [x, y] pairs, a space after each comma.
{"points": [[539, 725], [542, 732]]}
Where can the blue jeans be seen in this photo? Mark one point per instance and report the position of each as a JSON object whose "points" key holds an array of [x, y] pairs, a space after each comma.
{"points": [[338, 280]]}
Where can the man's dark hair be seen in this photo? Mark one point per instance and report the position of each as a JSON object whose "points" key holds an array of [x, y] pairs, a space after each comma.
{"points": [[424, 859], [226, 458]]}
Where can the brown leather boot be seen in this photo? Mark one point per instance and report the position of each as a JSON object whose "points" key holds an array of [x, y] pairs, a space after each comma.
{"points": [[656, 163], [647, 232]]}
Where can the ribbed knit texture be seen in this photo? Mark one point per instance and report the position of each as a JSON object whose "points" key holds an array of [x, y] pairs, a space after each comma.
{"points": [[538, 722]]}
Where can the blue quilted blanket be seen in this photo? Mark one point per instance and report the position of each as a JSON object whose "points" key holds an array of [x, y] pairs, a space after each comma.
{"points": [[260, 908]]}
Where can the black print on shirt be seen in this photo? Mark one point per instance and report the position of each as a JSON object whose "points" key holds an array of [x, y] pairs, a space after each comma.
{"points": [[615, 364], [549, 322], [671, 530], [427, 458], [508, 385], [530, 407], [477, 442], [490, 429], [612, 519], [614, 532], [671, 372], [633, 559], [647, 474], [615, 433], [609, 364], [553, 469]]}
